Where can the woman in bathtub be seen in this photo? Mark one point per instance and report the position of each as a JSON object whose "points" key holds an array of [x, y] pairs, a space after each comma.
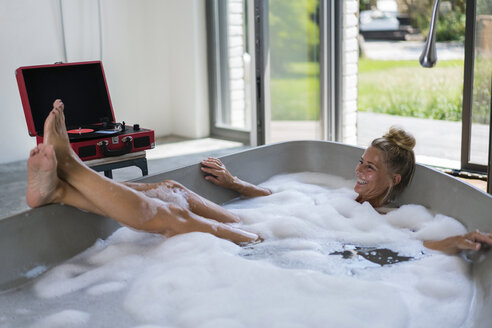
{"points": [[57, 175], [384, 171]]}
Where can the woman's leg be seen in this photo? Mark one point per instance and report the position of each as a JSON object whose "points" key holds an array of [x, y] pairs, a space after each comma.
{"points": [[120, 202], [164, 190], [168, 189]]}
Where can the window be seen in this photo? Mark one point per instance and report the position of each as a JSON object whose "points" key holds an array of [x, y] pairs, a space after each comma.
{"points": [[230, 69], [276, 63]]}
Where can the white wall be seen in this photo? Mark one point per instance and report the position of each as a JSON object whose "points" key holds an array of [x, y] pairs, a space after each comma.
{"points": [[188, 73], [153, 52], [29, 34]]}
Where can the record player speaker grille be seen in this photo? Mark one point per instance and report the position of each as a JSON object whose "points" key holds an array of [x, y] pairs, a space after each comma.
{"points": [[87, 151], [141, 142]]}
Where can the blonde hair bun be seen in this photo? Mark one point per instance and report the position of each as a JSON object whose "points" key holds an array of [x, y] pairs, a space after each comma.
{"points": [[400, 137]]}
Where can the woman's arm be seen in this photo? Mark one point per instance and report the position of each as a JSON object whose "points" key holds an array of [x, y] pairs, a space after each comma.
{"points": [[454, 245], [219, 175]]}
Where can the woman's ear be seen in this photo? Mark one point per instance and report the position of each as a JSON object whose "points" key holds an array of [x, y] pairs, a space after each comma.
{"points": [[396, 179]]}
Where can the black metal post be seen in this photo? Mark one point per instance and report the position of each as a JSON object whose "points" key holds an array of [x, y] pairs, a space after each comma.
{"points": [[489, 170], [468, 90], [262, 50]]}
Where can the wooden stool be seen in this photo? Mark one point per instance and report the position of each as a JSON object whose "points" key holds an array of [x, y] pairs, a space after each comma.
{"points": [[108, 164]]}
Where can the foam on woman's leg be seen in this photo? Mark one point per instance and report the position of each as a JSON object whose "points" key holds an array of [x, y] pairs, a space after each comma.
{"points": [[173, 192]]}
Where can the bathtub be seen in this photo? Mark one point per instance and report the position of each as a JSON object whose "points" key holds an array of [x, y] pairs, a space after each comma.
{"points": [[40, 238]]}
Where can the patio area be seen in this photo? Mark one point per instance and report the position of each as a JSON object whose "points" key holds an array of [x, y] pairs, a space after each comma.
{"points": [[438, 142]]}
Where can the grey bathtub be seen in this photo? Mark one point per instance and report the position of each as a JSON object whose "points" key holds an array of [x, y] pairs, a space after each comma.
{"points": [[46, 236]]}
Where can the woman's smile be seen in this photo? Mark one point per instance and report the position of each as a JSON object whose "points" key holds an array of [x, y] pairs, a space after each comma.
{"points": [[373, 179]]}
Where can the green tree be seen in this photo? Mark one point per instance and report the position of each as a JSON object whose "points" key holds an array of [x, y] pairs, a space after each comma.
{"points": [[293, 33], [450, 25], [367, 4]]}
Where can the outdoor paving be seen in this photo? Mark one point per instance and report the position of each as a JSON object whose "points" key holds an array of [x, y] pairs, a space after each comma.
{"points": [[410, 50]]}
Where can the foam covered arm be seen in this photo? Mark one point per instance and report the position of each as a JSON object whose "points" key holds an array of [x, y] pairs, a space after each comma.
{"points": [[218, 174]]}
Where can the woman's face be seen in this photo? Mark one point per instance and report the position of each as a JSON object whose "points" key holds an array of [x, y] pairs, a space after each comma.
{"points": [[373, 178]]}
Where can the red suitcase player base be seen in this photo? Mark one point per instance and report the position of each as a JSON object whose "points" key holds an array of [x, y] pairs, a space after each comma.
{"points": [[89, 115]]}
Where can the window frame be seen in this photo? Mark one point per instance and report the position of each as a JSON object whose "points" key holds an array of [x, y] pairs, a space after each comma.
{"points": [[467, 109]]}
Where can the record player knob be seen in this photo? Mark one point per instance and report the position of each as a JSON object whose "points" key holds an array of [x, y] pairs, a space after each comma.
{"points": [[136, 127]]}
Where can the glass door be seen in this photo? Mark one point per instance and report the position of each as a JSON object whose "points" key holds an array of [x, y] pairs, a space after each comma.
{"points": [[294, 70], [265, 59]]}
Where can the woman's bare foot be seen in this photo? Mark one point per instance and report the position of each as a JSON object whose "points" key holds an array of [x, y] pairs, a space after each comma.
{"points": [[43, 184], [55, 134]]}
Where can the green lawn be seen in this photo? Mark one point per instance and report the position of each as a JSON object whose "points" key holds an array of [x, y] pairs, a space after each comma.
{"points": [[294, 94], [295, 99], [400, 87], [482, 90], [404, 88]]}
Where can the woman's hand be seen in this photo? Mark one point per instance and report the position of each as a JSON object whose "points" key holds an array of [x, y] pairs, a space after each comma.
{"points": [[217, 173], [453, 245]]}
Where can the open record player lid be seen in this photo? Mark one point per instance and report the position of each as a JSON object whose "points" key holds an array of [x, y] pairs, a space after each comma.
{"points": [[81, 86]]}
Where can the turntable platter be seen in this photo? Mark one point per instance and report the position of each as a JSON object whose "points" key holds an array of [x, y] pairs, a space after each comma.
{"points": [[80, 131]]}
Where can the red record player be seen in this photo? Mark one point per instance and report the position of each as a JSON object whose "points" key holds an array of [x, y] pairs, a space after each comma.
{"points": [[89, 117]]}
